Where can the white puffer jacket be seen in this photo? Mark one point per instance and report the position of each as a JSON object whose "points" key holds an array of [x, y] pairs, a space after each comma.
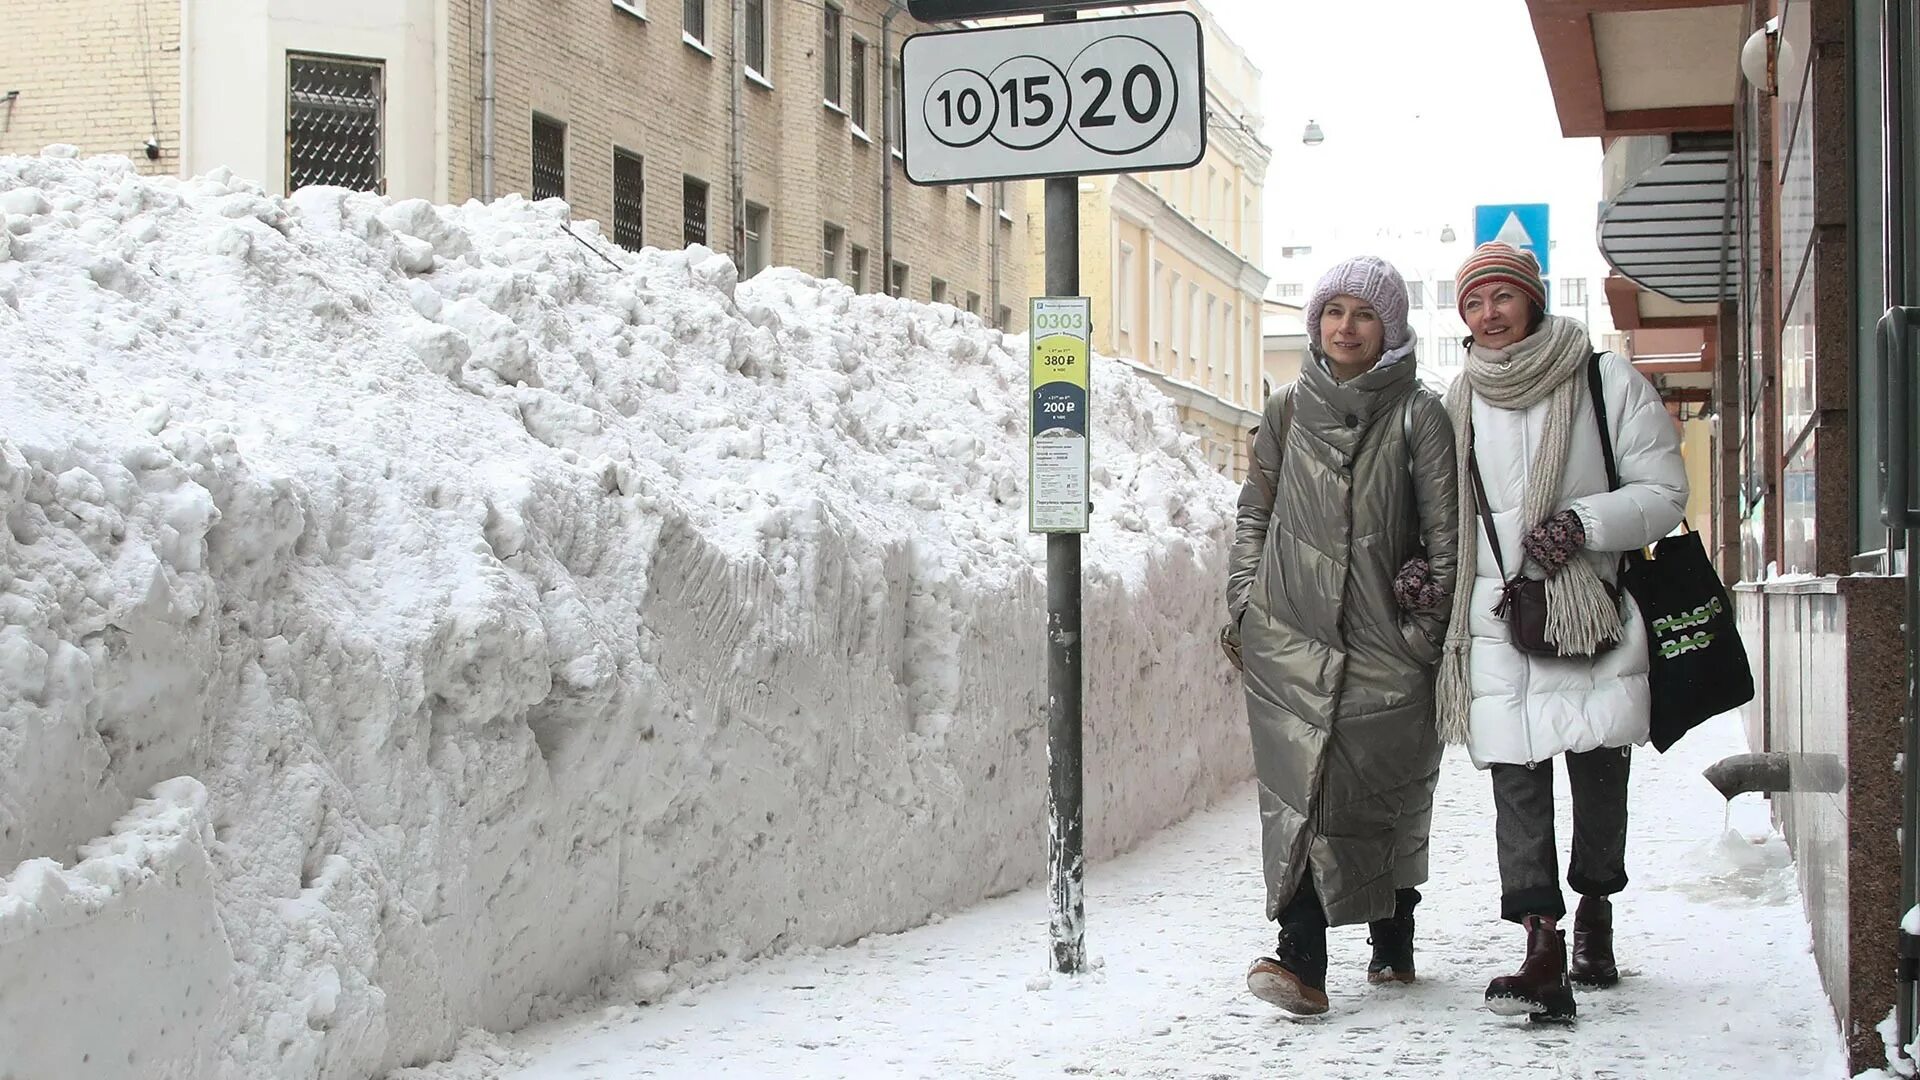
{"points": [[1527, 708]]}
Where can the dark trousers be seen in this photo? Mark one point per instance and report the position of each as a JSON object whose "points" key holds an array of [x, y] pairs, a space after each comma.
{"points": [[1523, 830]]}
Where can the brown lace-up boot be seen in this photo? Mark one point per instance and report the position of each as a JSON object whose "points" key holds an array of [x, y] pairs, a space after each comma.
{"points": [[1540, 990], [1592, 961]]}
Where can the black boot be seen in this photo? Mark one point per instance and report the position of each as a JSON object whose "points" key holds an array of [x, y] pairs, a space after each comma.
{"points": [[1295, 976], [1540, 989], [1392, 941], [1592, 961]]}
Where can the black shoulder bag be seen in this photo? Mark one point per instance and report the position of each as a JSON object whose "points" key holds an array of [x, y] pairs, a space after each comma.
{"points": [[1697, 667]]}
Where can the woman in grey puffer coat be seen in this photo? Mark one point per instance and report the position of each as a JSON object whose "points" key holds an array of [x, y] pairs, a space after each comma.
{"points": [[1342, 570]]}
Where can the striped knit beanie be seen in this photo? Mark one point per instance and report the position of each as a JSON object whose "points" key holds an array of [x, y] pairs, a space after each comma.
{"points": [[1366, 278], [1495, 261]]}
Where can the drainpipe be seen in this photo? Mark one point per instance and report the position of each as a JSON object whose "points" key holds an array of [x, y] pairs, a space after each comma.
{"points": [[736, 165], [186, 88], [993, 225], [887, 105], [486, 101]]}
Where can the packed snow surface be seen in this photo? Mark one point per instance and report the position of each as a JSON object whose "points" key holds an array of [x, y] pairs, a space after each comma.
{"points": [[411, 621], [1717, 973]]}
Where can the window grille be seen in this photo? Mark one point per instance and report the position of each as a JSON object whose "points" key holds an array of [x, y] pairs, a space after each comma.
{"points": [[694, 199], [629, 200], [549, 158], [334, 123]]}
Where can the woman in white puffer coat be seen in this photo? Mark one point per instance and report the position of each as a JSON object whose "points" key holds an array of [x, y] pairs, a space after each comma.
{"points": [[1524, 420]]}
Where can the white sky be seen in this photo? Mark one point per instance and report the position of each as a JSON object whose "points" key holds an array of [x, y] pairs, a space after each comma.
{"points": [[1429, 107]]}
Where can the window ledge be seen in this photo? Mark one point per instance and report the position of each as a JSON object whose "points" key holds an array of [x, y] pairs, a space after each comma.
{"points": [[974, 198], [1006, 217], [758, 79], [859, 133], [897, 155], [833, 106], [696, 44], [635, 8]]}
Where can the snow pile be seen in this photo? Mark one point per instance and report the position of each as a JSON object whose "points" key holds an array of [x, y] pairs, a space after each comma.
{"points": [[409, 621]]}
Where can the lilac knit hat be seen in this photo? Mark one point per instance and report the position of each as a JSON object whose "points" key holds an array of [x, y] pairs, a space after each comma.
{"points": [[1371, 279]]}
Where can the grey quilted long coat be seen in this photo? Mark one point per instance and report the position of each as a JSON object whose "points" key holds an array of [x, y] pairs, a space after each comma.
{"points": [[1339, 681]]}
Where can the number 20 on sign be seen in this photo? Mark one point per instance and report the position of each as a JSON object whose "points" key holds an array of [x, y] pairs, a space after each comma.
{"points": [[1060, 331]]}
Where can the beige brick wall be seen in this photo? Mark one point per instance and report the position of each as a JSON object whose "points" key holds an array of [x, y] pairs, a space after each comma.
{"points": [[93, 74], [619, 80]]}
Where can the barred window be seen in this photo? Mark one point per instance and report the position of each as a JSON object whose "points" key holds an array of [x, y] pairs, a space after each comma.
{"points": [[857, 85], [549, 158], [629, 199], [693, 195], [335, 118], [831, 91]]}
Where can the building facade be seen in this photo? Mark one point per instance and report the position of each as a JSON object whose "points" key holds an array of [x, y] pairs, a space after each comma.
{"points": [[1760, 213], [761, 128], [1171, 261]]}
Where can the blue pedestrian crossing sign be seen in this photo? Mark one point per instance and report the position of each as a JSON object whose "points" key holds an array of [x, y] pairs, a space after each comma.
{"points": [[1524, 225]]}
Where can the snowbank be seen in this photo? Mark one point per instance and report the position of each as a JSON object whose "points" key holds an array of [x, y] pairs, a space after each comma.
{"points": [[409, 621]]}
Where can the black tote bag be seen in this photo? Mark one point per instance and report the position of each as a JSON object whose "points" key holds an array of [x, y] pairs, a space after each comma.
{"points": [[1696, 664]]}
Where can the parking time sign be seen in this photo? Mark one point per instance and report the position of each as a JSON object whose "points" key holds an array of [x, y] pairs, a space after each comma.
{"points": [[1055, 99]]}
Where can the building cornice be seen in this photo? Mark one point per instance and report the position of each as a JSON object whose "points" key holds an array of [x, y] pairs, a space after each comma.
{"points": [[1141, 205]]}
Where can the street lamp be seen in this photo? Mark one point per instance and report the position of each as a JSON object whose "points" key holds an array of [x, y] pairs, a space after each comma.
{"points": [[1313, 136]]}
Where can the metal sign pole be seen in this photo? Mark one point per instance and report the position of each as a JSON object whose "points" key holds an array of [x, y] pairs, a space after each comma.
{"points": [[1066, 862]]}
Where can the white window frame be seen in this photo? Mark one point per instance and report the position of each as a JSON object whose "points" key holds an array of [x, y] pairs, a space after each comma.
{"points": [[699, 40], [758, 74], [836, 58], [857, 78], [832, 239], [760, 238]]}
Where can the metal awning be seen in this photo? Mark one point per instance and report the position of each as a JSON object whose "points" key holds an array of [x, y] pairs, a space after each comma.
{"points": [[1663, 219]]}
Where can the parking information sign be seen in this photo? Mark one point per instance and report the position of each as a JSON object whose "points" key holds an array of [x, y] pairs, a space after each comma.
{"points": [[1061, 331], [1054, 99]]}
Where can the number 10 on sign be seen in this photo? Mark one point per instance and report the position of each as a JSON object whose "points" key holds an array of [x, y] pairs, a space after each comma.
{"points": [[1061, 337]]}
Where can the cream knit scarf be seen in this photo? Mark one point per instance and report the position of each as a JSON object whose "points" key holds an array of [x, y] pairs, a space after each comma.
{"points": [[1548, 366]]}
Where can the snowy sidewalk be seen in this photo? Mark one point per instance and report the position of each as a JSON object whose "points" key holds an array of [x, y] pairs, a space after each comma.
{"points": [[1719, 979]]}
